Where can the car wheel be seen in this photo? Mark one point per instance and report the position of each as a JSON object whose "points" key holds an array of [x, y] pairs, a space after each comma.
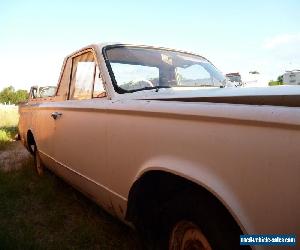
{"points": [[187, 236], [190, 222], [39, 167]]}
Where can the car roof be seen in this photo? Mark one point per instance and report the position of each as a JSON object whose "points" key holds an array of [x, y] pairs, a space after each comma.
{"points": [[100, 46]]}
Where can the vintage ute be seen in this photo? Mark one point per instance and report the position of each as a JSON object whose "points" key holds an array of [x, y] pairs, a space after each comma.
{"points": [[155, 137]]}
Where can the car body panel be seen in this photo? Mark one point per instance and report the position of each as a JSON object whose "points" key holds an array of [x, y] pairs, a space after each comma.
{"points": [[245, 154]]}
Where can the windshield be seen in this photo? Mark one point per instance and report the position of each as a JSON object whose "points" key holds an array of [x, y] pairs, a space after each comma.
{"points": [[136, 68], [47, 91]]}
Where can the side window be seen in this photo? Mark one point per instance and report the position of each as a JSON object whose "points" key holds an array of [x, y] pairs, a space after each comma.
{"points": [[99, 90], [85, 74], [64, 82]]}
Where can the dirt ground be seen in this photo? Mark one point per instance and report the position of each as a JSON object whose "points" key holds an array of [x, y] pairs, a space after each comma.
{"points": [[13, 157]]}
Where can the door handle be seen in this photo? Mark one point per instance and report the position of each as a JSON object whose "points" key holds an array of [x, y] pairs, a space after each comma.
{"points": [[56, 115]]}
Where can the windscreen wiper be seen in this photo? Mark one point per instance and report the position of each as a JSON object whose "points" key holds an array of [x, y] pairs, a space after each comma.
{"points": [[149, 88]]}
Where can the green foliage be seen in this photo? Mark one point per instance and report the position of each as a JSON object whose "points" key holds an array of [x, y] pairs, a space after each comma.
{"points": [[9, 95], [280, 79], [9, 117], [275, 83], [278, 82], [7, 135]]}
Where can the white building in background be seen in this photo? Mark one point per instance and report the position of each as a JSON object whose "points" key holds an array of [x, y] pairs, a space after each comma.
{"points": [[292, 77]]}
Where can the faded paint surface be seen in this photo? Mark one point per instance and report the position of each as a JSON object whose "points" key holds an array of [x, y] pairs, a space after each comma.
{"points": [[247, 155]]}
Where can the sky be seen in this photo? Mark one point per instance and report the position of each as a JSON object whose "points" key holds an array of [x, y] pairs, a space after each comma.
{"points": [[236, 36]]}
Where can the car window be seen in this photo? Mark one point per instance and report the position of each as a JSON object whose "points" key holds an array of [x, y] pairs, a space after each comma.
{"points": [[99, 90], [138, 68], [194, 75], [47, 91], [130, 76], [85, 74]]}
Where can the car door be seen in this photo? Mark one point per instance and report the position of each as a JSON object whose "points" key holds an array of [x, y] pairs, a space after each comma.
{"points": [[80, 130]]}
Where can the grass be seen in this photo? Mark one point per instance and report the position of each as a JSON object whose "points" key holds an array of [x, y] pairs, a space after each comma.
{"points": [[7, 135], [46, 213], [275, 83], [9, 118]]}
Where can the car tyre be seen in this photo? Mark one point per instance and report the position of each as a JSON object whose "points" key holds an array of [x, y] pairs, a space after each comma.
{"points": [[189, 222], [186, 235], [39, 167]]}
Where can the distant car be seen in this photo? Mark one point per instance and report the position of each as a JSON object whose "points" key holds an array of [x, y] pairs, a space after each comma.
{"points": [[155, 137], [41, 92]]}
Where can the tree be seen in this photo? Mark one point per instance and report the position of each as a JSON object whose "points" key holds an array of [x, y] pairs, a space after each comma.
{"points": [[278, 82], [21, 96], [280, 79], [9, 95]]}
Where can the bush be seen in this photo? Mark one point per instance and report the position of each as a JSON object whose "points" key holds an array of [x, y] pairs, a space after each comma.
{"points": [[9, 95]]}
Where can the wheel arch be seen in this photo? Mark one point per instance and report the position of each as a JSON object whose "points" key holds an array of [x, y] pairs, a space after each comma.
{"points": [[30, 140], [153, 181]]}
